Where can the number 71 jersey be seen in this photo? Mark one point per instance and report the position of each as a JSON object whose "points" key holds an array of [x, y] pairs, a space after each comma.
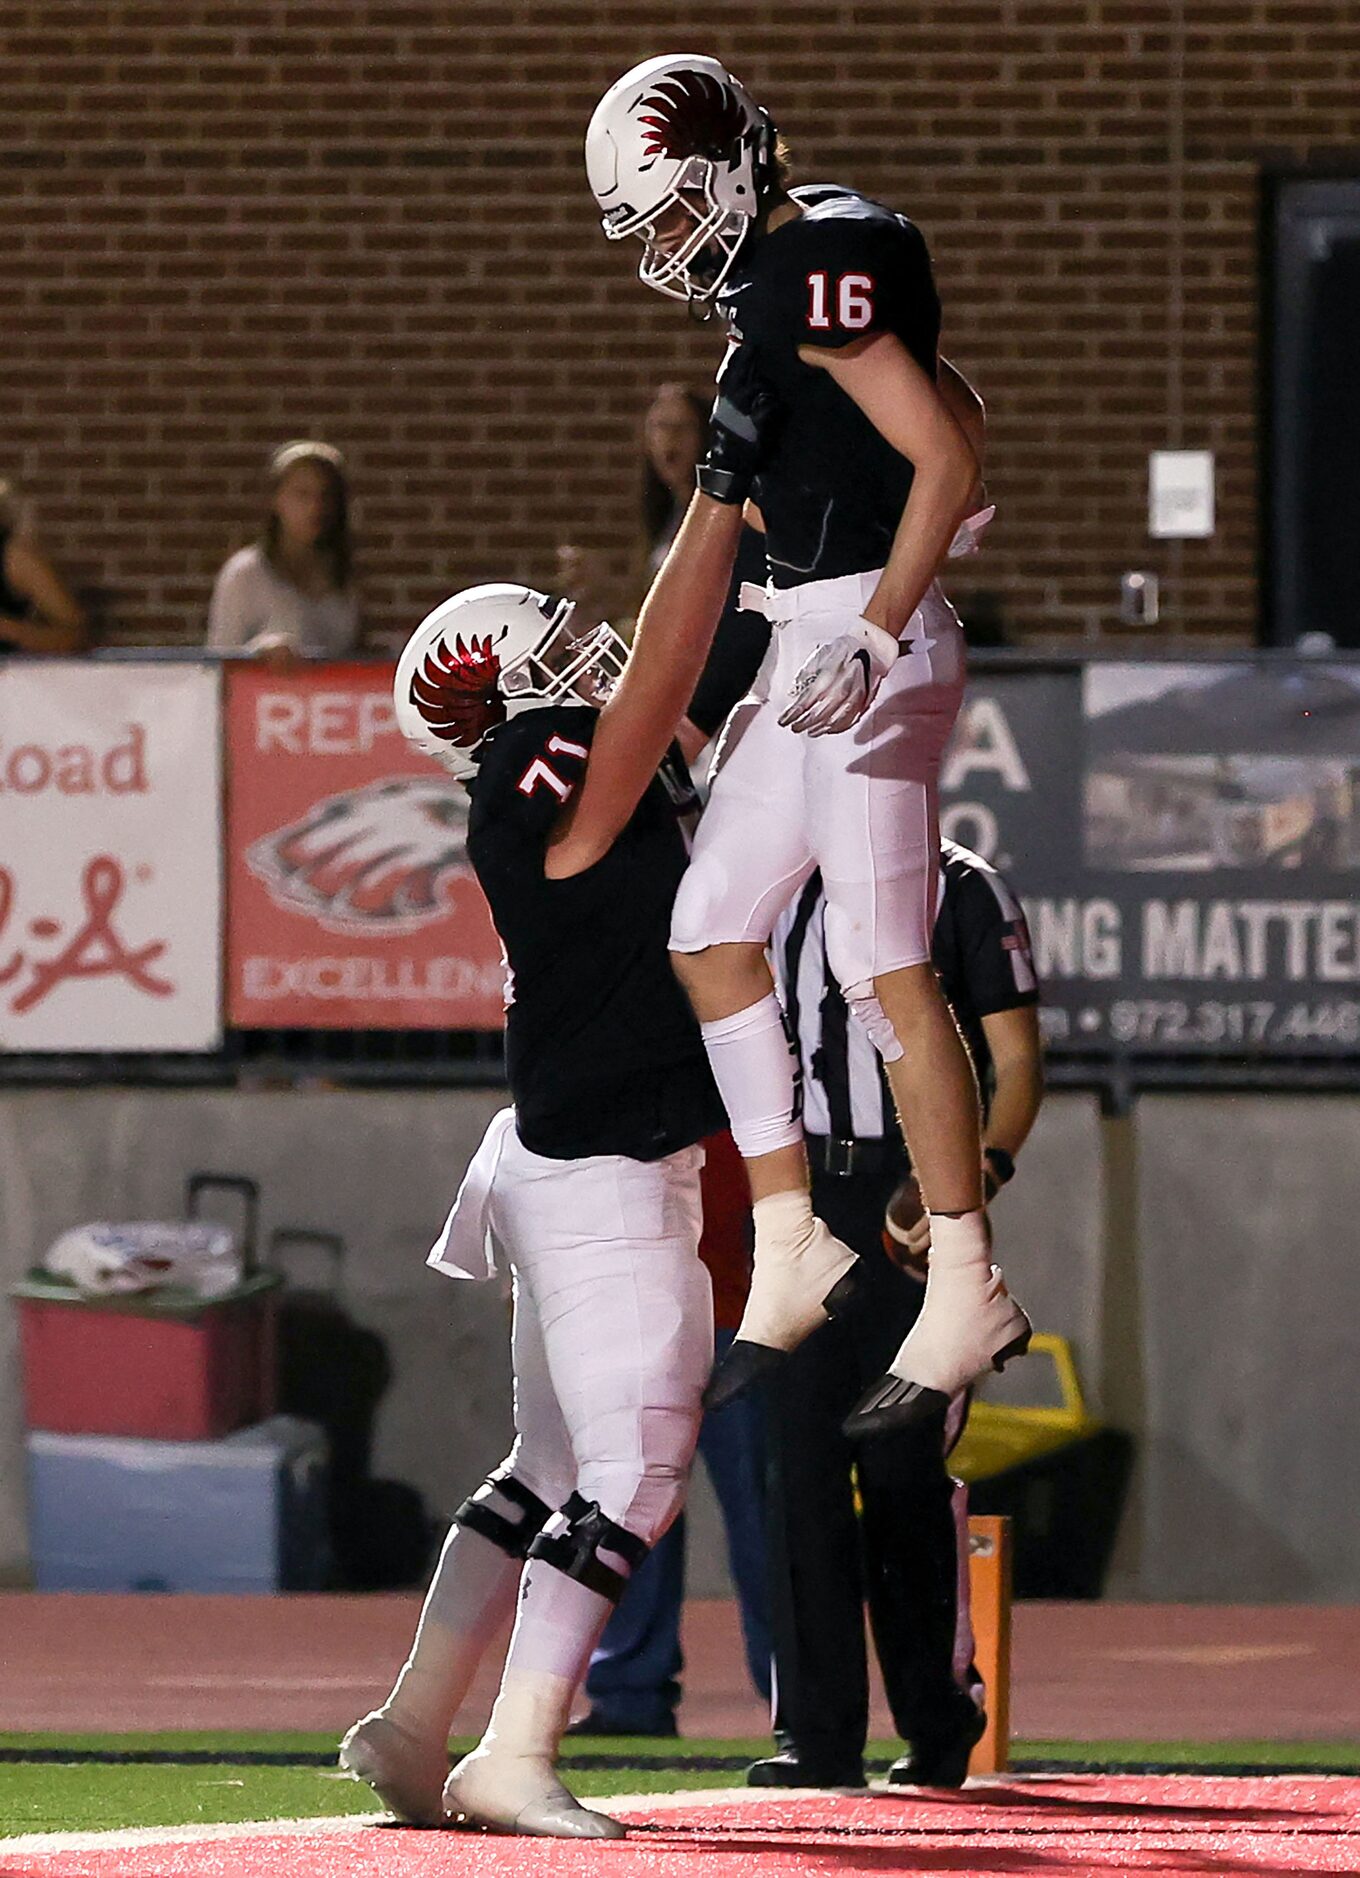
{"points": [[602, 1051], [832, 490]]}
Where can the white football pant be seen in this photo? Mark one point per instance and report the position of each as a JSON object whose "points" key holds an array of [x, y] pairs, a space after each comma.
{"points": [[861, 805], [613, 1327]]}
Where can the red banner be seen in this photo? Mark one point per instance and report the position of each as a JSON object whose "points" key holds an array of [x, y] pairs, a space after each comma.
{"points": [[351, 901]]}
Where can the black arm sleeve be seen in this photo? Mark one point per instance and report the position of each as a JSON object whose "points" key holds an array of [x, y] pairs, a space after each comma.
{"points": [[738, 645]]}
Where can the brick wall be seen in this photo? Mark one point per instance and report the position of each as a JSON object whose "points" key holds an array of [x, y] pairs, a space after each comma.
{"points": [[227, 224]]}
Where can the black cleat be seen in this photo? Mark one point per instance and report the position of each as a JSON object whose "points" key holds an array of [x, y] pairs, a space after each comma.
{"points": [[850, 1291], [745, 1363], [593, 1722], [939, 1760], [892, 1404], [741, 1365], [792, 1769]]}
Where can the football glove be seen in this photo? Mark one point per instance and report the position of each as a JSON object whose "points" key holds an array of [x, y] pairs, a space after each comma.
{"points": [[838, 683], [739, 430]]}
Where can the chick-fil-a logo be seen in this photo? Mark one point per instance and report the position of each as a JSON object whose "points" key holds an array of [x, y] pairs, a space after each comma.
{"points": [[94, 949]]}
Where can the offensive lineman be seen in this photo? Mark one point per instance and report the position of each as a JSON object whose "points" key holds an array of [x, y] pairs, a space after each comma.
{"points": [[865, 475], [590, 1184]]}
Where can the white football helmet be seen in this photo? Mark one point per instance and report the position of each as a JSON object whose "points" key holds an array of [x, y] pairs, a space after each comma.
{"points": [[492, 651], [680, 154]]}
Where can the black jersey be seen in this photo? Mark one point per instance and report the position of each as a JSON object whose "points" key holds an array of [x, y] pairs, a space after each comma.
{"points": [[833, 489], [602, 1051]]}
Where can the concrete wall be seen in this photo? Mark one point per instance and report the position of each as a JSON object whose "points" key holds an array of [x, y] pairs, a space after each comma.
{"points": [[1201, 1254]]}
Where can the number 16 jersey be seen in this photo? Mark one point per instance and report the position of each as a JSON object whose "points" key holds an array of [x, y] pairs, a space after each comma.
{"points": [[832, 489]]}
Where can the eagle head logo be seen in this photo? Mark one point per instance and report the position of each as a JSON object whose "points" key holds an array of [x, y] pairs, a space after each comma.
{"points": [[457, 691], [374, 860], [692, 114]]}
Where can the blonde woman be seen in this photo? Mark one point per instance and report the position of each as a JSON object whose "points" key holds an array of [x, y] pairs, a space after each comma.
{"points": [[291, 594]]}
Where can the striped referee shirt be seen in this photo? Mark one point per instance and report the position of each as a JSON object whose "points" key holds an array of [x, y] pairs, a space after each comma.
{"points": [[981, 951]]}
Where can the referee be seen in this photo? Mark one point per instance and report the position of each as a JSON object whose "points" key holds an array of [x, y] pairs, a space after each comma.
{"points": [[905, 1555]]}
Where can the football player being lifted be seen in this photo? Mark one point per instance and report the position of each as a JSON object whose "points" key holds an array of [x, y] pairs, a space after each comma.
{"points": [[590, 1184], [865, 475]]}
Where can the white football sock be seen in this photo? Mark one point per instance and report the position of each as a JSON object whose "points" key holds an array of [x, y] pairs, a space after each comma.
{"points": [[509, 1779], [754, 1067], [470, 1597], [558, 1622]]}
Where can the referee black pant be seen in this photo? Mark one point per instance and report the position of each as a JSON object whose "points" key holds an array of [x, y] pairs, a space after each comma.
{"points": [[899, 1556]]}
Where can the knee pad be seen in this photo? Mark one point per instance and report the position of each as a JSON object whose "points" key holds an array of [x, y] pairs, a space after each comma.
{"points": [[504, 1511], [581, 1533], [874, 1020]]}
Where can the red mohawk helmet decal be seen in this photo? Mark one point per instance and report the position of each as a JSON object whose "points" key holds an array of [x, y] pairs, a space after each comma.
{"points": [[456, 690], [692, 114]]}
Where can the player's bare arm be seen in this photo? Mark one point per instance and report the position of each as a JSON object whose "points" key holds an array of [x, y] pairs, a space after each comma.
{"points": [[908, 411], [969, 413], [674, 632]]}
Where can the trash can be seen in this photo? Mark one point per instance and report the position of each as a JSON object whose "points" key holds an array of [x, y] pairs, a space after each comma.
{"points": [[1058, 1473]]}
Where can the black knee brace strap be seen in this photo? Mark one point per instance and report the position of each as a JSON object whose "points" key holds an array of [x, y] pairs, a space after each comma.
{"points": [[575, 1552], [511, 1535]]}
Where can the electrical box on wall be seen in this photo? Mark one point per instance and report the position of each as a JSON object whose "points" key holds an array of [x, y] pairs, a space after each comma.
{"points": [[1180, 494]]}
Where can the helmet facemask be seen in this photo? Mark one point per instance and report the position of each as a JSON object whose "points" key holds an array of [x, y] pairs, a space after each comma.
{"points": [[690, 240], [566, 665]]}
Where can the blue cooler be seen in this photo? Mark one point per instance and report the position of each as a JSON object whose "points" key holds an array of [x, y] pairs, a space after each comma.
{"points": [[245, 1513]]}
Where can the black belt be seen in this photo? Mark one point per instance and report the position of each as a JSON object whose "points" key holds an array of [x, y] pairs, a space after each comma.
{"points": [[872, 1154]]}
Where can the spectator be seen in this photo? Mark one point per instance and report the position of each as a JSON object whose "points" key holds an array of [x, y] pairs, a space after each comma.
{"points": [[38, 611], [672, 437], [291, 594]]}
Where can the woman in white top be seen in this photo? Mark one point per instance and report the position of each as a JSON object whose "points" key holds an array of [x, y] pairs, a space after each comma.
{"points": [[291, 593]]}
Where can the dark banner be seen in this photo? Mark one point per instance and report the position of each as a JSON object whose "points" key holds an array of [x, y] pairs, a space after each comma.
{"points": [[1186, 840]]}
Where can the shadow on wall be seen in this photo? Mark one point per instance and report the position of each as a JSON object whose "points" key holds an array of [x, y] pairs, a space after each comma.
{"points": [[1203, 1541], [334, 1371]]}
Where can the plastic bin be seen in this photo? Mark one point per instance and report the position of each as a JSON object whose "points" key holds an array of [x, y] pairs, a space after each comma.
{"points": [[165, 1365], [1056, 1471], [245, 1514]]}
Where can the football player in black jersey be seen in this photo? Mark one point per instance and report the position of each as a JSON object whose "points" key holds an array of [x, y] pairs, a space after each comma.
{"points": [[590, 1184], [866, 476]]}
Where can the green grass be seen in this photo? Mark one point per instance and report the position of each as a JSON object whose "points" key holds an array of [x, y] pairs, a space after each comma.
{"points": [[78, 1796]]}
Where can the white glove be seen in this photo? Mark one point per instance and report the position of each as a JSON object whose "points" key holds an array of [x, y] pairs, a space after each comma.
{"points": [[838, 683]]}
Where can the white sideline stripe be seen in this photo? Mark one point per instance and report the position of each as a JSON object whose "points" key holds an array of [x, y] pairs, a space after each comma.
{"points": [[181, 1835], [613, 1803], [35, 1842]]}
